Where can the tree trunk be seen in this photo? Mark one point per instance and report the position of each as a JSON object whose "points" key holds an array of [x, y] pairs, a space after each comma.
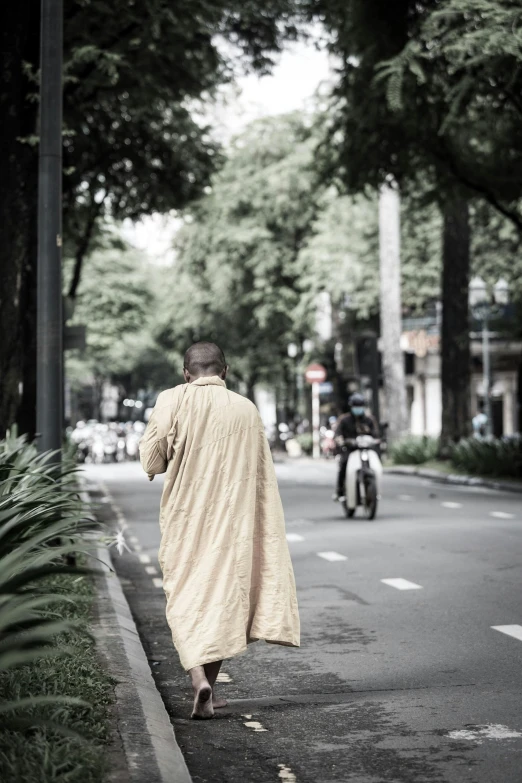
{"points": [[250, 384], [19, 37], [455, 348], [83, 245], [391, 311]]}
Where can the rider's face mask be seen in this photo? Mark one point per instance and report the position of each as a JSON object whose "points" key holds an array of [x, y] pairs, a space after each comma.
{"points": [[358, 410]]}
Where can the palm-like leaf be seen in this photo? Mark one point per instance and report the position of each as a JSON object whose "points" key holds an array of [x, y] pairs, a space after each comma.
{"points": [[42, 520]]}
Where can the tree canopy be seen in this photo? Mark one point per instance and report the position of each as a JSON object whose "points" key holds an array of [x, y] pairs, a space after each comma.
{"points": [[135, 77], [236, 279]]}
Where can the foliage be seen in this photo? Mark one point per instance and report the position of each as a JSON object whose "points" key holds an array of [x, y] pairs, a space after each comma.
{"points": [[414, 450], [134, 76], [41, 522], [471, 53], [427, 92], [389, 116], [305, 440], [74, 750], [497, 251], [500, 458], [235, 280], [341, 256], [135, 79], [117, 301]]}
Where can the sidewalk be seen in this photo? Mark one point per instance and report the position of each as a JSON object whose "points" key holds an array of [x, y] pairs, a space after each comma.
{"points": [[454, 478], [143, 732]]}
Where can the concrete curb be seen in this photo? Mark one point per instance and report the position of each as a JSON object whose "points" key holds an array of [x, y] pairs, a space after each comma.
{"points": [[147, 735], [454, 478]]}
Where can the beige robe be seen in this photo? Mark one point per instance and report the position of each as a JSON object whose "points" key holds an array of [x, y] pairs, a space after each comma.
{"points": [[227, 573]]}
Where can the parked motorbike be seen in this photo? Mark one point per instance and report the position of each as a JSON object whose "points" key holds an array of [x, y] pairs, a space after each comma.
{"points": [[363, 477], [328, 444]]}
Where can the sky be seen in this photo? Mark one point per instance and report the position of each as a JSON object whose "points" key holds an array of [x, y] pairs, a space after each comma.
{"points": [[293, 82]]}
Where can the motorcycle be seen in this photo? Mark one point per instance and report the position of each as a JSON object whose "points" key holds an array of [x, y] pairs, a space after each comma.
{"points": [[363, 477], [328, 444]]}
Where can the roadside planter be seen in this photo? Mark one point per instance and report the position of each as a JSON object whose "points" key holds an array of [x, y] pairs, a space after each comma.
{"points": [[53, 691]]}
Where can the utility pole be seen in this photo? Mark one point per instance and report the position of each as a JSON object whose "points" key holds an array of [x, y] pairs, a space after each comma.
{"points": [[391, 310], [49, 368]]}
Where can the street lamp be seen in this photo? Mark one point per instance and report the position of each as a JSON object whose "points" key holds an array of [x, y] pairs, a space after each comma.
{"points": [[484, 307]]}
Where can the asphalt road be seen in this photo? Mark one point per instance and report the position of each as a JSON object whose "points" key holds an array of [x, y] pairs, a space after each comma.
{"points": [[395, 685]]}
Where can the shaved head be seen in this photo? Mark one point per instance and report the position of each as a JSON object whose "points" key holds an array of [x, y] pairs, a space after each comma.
{"points": [[204, 359]]}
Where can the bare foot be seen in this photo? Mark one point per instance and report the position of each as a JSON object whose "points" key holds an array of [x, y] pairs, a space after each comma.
{"points": [[217, 703], [203, 707]]}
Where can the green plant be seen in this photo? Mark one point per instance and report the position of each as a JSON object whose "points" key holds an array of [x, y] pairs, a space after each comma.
{"points": [[499, 457], [64, 740], [42, 521], [305, 440], [413, 450]]}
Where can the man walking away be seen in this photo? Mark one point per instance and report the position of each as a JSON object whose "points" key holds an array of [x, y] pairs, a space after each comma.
{"points": [[348, 427], [227, 573]]}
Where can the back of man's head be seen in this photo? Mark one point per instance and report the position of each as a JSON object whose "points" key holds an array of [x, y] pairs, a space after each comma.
{"points": [[204, 359]]}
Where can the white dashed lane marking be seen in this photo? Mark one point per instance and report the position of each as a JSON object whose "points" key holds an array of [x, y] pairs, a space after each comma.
{"points": [[511, 630], [405, 497], [285, 773], [151, 570], [401, 584], [253, 724], [223, 677], [157, 582], [494, 731], [331, 556], [144, 558], [450, 504], [298, 522], [501, 515], [294, 537]]}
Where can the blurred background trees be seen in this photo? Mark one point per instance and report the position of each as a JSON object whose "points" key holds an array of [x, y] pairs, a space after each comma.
{"points": [[134, 141], [284, 214]]}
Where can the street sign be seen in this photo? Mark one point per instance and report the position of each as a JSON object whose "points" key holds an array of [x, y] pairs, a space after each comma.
{"points": [[326, 388], [315, 373]]}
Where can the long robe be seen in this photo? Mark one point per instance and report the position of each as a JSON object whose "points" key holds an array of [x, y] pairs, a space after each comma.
{"points": [[227, 572]]}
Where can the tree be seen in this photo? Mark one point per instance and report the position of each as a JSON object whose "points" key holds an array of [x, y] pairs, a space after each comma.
{"points": [[117, 299], [258, 250], [236, 279], [391, 310], [134, 73], [393, 114]]}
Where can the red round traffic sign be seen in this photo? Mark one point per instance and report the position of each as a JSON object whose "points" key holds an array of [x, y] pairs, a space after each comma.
{"points": [[315, 373]]}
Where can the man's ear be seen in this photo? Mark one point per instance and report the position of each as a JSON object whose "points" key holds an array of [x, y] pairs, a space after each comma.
{"points": [[224, 373], [186, 375]]}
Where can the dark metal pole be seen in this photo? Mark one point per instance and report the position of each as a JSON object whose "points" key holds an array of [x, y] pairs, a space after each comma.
{"points": [[49, 393]]}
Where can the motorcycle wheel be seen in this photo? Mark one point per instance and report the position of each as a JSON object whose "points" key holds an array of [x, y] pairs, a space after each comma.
{"points": [[370, 501]]}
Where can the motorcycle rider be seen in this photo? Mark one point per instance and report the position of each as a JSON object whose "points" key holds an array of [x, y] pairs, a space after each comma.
{"points": [[348, 427]]}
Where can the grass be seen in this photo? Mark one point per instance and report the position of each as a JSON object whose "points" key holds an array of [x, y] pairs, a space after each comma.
{"points": [[72, 751]]}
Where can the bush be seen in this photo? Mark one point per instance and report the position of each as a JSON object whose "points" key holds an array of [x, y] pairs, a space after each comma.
{"points": [[414, 450], [305, 440], [64, 729], [43, 709], [496, 458]]}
